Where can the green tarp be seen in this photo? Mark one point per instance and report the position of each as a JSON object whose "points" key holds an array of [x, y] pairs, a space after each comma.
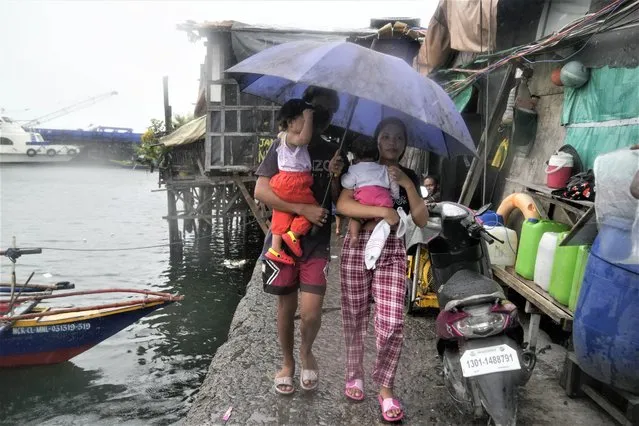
{"points": [[462, 98], [612, 96], [593, 141]]}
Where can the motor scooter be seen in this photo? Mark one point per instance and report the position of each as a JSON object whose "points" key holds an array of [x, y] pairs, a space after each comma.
{"points": [[479, 336]]}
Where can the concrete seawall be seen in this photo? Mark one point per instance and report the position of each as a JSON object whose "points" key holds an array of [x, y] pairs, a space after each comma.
{"points": [[241, 375]]}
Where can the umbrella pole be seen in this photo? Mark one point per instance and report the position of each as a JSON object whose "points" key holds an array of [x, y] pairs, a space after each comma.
{"points": [[351, 113]]}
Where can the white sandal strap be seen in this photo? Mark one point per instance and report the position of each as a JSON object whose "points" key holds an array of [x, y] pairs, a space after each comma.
{"points": [[310, 375], [280, 381]]}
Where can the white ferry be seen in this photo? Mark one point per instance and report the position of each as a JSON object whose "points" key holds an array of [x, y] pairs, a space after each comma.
{"points": [[20, 146]]}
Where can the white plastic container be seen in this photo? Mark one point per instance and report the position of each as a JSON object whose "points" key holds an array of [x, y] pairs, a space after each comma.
{"points": [[502, 254], [545, 259]]}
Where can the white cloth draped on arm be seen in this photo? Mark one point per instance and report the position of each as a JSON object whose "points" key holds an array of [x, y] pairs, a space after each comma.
{"points": [[378, 238]]}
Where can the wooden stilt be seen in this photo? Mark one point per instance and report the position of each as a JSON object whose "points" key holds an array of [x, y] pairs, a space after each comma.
{"points": [[189, 209], [227, 235], [245, 241], [174, 230], [206, 208]]}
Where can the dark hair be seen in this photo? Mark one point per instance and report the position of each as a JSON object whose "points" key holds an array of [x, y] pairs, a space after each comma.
{"points": [[387, 121], [434, 179], [290, 110], [364, 147], [312, 92]]}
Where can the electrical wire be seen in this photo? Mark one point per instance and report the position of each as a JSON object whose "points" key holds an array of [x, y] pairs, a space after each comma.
{"points": [[601, 29], [574, 29]]}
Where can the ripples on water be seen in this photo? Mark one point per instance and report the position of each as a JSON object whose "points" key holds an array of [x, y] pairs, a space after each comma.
{"points": [[149, 372]]}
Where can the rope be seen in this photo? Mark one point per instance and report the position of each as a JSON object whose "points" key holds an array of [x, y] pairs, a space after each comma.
{"points": [[132, 248]]}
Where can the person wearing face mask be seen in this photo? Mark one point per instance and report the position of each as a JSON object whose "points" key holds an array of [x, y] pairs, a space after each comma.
{"points": [[386, 283], [307, 276]]}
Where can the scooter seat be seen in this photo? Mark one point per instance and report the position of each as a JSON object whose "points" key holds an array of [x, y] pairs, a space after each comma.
{"points": [[467, 288]]}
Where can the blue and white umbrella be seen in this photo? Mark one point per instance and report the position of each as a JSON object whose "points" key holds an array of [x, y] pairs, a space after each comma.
{"points": [[371, 86]]}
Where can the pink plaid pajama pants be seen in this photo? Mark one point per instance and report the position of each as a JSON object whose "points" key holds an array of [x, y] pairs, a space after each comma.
{"points": [[387, 284]]}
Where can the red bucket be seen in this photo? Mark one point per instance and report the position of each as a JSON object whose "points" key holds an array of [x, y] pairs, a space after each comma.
{"points": [[559, 170]]}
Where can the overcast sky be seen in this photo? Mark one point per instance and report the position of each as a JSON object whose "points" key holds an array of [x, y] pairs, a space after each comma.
{"points": [[56, 53]]}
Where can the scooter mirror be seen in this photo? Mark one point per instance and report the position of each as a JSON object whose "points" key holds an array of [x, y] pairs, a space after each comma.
{"points": [[483, 209], [423, 191]]}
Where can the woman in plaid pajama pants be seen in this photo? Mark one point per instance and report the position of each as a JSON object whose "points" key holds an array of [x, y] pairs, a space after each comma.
{"points": [[386, 283]]}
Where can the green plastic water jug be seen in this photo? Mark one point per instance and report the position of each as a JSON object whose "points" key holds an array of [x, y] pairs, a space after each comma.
{"points": [[580, 268], [531, 232], [563, 271]]}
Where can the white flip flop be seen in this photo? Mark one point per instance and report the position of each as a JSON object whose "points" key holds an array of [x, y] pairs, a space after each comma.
{"points": [[283, 381], [309, 376]]}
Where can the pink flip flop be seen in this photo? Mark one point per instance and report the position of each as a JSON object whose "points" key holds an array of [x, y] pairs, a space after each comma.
{"points": [[388, 404], [355, 384]]}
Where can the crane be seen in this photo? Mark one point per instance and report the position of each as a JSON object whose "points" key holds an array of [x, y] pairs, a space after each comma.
{"points": [[67, 110]]}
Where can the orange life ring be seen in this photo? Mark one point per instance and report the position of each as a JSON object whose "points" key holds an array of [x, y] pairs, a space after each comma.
{"points": [[523, 202]]}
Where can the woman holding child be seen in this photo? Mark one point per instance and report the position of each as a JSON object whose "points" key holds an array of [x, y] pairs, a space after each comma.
{"points": [[386, 282]]}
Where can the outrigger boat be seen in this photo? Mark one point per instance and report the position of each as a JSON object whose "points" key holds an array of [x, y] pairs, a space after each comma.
{"points": [[31, 334]]}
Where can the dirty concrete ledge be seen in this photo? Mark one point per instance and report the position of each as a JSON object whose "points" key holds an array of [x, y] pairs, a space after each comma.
{"points": [[241, 375]]}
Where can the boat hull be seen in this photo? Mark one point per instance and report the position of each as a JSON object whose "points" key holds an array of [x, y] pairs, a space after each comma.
{"points": [[51, 340]]}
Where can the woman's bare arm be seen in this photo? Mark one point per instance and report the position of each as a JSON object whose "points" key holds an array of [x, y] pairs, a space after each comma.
{"points": [[417, 206], [347, 206], [265, 194], [418, 209]]}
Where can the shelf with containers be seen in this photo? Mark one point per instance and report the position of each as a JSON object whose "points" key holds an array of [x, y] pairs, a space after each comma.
{"points": [[578, 230]]}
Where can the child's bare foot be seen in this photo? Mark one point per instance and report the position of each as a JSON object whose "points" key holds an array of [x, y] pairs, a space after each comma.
{"points": [[353, 242], [284, 380]]}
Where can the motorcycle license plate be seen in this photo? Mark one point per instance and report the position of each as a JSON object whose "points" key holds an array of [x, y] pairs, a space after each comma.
{"points": [[491, 359]]}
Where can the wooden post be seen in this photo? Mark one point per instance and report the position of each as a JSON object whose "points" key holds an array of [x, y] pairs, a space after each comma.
{"points": [[168, 114], [189, 210], [485, 143], [206, 208], [227, 235], [174, 230], [244, 234]]}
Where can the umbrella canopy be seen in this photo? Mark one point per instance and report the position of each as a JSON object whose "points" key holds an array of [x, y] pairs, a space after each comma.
{"points": [[378, 85]]}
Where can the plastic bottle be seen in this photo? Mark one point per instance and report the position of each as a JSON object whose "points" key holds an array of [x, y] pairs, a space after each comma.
{"points": [[531, 232]]}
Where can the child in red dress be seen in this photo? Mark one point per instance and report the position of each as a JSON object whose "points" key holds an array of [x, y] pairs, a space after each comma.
{"points": [[294, 180]]}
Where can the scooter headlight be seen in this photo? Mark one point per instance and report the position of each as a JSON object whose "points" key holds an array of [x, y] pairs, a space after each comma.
{"points": [[481, 324]]}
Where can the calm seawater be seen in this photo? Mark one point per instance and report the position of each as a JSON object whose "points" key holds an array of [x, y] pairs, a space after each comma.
{"points": [[149, 372]]}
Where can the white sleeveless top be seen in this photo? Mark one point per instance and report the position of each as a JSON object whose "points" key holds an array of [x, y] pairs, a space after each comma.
{"points": [[292, 159]]}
